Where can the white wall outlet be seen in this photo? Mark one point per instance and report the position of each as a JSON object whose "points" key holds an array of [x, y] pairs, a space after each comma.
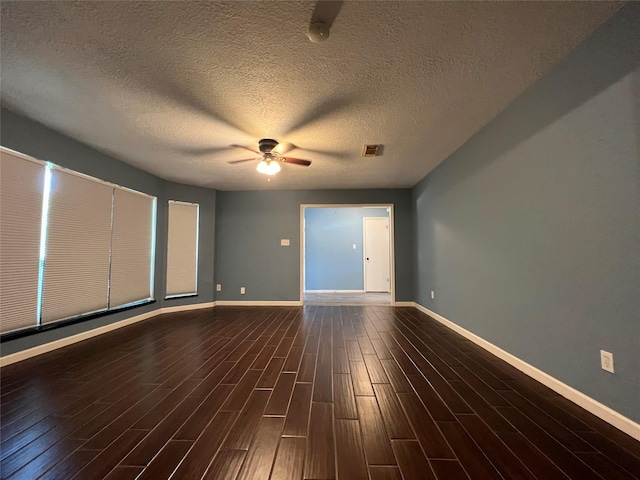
{"points": [[354, 246], [433, 294], [606, 361], [284, 242], [242, 291], [218, 287]]}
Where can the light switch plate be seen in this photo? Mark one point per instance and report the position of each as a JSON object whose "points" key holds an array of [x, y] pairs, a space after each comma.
{"points": [[284, 242]]}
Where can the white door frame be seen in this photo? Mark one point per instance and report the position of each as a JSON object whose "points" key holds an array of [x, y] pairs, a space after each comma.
{"points": [[304, 206]]}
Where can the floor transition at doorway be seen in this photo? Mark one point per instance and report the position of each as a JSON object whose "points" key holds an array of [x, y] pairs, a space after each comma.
{"points": [[346, 298]]}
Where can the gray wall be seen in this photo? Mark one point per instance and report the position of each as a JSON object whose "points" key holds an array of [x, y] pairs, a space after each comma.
{"points": [[331, 262], [250, 224], [530, 233], [31, 138]]}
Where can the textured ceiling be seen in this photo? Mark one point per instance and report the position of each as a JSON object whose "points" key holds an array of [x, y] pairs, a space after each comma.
{"points": [[168, 86]]}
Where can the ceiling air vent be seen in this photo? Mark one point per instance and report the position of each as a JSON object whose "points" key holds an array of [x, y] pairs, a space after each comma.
{"points": [[370, 150]]}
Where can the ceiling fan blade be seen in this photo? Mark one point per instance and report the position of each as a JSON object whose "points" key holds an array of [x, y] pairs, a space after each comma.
{"points": [[296, 161], [242, 161], [246, 148]]}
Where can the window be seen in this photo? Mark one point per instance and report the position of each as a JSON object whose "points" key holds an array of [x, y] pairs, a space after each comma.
{"points": [[76, 263], [132, 247], [182, 249], [70, 245], [21, 186]]}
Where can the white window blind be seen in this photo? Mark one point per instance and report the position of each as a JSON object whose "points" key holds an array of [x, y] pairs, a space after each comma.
{"points": [[21, 190], [76, 271], [132, 248], [182, 249]]}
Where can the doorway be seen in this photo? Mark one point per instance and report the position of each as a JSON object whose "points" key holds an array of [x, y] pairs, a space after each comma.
{"points": [[332, 254]]}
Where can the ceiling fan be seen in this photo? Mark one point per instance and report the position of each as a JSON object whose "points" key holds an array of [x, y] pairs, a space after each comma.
{"points": [[270, 156]]}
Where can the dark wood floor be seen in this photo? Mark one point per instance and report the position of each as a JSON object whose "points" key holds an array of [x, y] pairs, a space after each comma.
{"points": [[314, 393]]}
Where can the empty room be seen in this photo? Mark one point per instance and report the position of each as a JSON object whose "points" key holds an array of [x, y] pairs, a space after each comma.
{"points": [[319, 240]]}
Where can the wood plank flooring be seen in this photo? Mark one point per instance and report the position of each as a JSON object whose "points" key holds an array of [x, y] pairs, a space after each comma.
{"points": [[319, 392]]}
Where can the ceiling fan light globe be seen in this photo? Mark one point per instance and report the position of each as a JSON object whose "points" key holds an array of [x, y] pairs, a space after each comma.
{"points": [[268, 167]]}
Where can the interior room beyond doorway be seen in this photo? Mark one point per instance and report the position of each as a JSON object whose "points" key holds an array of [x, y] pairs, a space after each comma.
{"points": [[336, 268]]}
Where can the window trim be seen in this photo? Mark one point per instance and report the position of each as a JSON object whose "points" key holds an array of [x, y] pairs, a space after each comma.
{"points": [[197, 205]]}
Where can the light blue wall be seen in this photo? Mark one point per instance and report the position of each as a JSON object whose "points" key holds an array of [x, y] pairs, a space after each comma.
{"points": [[250, 224], [31, 138], [530, 233], [331, 262]]}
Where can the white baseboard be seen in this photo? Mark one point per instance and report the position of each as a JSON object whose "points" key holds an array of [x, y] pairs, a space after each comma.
{"points": [[259, 303], [334, 291], [405, 304], [184, 308], [63, 342], [607, 414]]}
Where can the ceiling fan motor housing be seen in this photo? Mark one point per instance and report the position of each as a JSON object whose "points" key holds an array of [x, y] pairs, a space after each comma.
{"points": [[267, 144]]}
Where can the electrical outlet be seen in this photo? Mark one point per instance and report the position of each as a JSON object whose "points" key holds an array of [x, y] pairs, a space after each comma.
{"points": [[218, 288], [242, 291], [433, 294], [354, 246], [606, 361]]}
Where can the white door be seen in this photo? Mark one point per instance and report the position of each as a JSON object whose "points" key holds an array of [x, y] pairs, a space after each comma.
{"points": [[377, 271]]}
